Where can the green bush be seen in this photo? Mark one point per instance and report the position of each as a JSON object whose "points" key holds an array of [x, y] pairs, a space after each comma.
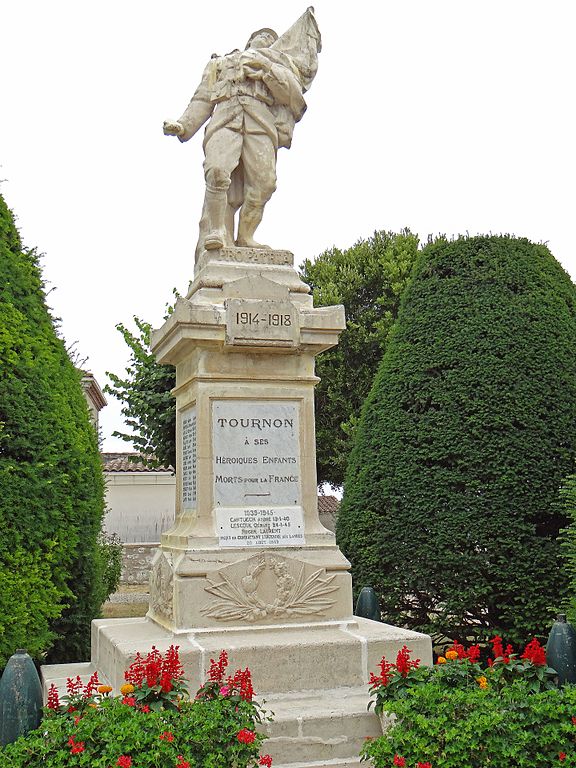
{"points": [[152, 724], [437, 727], [462, 713], [450, 505], [51, 480], [28, 602], [568, 500]]}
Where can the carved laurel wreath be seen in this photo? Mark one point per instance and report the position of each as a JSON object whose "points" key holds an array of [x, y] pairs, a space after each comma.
{"points": [[296, 595]]}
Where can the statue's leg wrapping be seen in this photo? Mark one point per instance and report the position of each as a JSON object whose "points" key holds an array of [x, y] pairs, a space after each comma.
{"points": [[222, 156], [259, 162]]}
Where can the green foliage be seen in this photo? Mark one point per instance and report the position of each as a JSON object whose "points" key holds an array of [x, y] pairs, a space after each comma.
{"points": [[477, 728], [109, 552], [29, 600], [450, 506], [368, 279], [568, 499], [204, 733], [51, 482], [152, 725], [149, 408], [461, 668]]}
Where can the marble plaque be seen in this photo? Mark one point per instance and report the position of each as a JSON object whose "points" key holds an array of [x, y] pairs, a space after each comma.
{"points": [[256, 453], [260, 527], [261, 322], [188, 433]]}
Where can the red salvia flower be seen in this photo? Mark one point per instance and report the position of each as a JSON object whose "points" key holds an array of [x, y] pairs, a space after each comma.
{"points": [[218, 668], [53, 701], [403, 662], [73, 686], [91, 686], [497, 647], [473, 655], [535, 653], [245, 736]]}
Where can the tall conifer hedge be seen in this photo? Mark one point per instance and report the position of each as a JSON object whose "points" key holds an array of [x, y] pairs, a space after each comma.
{"points": [[51, 483], [450, 507]]}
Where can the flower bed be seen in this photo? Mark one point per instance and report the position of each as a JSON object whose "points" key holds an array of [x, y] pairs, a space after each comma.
{"points": [[463, 714], [152, 724]]}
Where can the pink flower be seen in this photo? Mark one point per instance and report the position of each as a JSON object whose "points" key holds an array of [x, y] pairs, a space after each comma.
{"points": [[225, 690], [245, 736]]}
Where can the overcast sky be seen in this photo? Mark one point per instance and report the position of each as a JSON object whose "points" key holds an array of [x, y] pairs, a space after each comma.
{"points": [[444, 116]]}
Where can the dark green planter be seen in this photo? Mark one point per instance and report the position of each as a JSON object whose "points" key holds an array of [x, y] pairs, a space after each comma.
{"points": [[367, 605], [561, 650], [20, 698]]}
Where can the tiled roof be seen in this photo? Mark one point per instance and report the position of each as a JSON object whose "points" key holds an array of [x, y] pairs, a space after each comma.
{"points": [[127, 462], [328, 504]]}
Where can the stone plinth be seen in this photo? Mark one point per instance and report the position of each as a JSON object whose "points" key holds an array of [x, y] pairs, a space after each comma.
{"points": [[247, 566], [247, 545]]}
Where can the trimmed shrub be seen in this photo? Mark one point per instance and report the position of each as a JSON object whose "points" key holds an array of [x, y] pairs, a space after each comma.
{"points": [[450, 506], [51, 481]]}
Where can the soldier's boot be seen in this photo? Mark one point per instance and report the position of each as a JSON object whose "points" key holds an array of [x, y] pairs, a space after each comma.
{"points": [[250, 217], [216, 204]]}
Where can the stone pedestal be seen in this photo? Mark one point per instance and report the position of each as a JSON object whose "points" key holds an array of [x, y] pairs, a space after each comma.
{"points": [[247, 566]]}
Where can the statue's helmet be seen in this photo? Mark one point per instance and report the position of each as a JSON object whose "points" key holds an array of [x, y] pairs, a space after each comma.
{"points": [[264, 30]]}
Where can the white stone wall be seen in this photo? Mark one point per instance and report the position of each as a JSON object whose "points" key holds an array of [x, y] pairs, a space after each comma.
{"points": [[140, 505]]}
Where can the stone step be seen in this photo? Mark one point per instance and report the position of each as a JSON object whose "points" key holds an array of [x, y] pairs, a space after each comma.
{"points": [[352, 763], [58, 674], [320, 728]]}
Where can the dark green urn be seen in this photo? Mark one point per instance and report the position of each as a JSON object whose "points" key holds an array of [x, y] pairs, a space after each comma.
{"points": [[367, 605], [20, 698], [561, 650]]}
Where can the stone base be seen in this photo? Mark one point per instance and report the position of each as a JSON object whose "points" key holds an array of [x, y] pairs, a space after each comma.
{"points": [[314, 677]]}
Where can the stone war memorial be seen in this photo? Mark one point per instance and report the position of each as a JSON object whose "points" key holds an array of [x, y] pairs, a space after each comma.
{"points": [[248, 567]]}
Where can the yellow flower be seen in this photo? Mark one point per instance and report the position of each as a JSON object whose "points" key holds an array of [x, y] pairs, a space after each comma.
{"points": [[451, 655], [104, 688], [126, 689], [482, 682], [441, 660]]}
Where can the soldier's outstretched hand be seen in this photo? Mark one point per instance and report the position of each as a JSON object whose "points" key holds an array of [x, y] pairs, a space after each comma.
{"points": [[173, 128]]}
